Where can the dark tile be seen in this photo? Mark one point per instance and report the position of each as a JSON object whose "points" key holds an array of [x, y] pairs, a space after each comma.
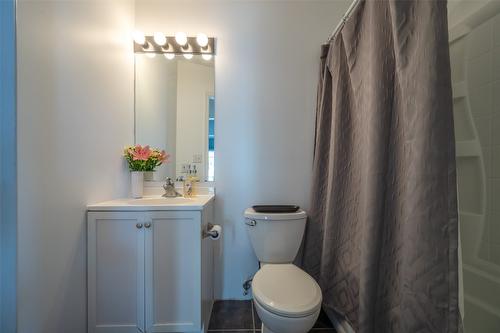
{"points": [[231, 315], [323, 321], [313, 330], [256, 319]]}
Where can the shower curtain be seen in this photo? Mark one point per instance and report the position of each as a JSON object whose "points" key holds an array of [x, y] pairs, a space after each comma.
{"points": [[383, 230]]}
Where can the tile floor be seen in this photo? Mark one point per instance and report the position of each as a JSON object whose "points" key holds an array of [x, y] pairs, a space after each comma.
{"points": [[241, 317]]}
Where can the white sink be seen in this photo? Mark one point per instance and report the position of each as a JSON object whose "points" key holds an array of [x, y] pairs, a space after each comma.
{"points": [[161, 201], [153, 203]]}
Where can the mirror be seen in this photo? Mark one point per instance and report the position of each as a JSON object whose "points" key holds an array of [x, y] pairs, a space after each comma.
{"points": [[175, 111]]}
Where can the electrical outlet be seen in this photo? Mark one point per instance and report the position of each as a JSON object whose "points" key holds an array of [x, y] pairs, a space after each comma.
{"points": [[185, 167], [197, 158]]}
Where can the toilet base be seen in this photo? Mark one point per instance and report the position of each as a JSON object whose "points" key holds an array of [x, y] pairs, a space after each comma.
{"points": [[281, 324], [266, 330]]}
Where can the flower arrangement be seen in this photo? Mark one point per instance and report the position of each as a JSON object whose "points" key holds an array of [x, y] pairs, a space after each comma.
{"points": [[144, 158]]}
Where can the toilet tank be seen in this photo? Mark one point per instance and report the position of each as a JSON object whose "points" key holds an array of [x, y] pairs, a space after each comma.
{"points": [[275, 237]]}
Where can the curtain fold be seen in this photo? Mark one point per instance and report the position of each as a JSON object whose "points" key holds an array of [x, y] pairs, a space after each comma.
{"points": [[382, 235]]}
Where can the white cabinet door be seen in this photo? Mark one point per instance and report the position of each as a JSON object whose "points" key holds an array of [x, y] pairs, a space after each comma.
{"points": [[207, 263], [116, 272], [173, 276]]}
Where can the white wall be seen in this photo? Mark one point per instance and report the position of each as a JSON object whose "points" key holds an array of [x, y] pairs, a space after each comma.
{"points": [[75, 114], [266, 76], [195, 83], [156, 105]]}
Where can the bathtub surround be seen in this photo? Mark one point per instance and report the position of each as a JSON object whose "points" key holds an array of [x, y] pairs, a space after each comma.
{"points": [[475, 64], [8, 190], [383, 232]]}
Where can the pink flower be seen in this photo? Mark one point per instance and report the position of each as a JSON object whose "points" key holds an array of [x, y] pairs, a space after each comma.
{"points": [[163, 156], [141, 153]]}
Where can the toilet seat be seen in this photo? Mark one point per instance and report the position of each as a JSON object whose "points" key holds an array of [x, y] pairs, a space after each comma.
{"points": [[286, 290]]}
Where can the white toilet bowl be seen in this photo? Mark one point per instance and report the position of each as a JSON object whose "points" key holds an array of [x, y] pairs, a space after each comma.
{"points": [[286, 298]]}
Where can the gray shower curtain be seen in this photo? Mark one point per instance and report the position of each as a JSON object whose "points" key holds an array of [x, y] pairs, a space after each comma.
{"points": [[383, 230]]}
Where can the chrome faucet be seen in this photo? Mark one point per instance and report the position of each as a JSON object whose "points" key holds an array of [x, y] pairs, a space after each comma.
{"points": [[169, 188]]}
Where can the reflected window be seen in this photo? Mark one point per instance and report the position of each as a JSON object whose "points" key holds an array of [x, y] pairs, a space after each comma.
{"points": [[211, 138]]}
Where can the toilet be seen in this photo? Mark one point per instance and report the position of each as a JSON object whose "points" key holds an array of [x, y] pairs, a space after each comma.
{"points": [[287, 299]]}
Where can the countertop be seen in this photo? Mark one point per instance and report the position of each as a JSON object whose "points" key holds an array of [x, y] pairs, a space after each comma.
{"points": [[155, 202]]}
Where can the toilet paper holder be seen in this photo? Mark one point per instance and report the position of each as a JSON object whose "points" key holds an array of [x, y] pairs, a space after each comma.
{"points": [[209, 232]]}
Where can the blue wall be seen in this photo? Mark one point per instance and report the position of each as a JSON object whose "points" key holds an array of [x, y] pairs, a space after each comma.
{"points": [[8, 193]]}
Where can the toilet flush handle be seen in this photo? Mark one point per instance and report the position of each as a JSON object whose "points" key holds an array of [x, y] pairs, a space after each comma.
{"points": [[251, 223]]}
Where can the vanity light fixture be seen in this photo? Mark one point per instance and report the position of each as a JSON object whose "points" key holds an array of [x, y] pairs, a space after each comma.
{"points": [[202, 40], [181, 38], [170, 46], [160, 39], [140, 39]]}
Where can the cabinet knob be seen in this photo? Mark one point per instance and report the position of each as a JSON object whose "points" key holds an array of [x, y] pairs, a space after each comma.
{"points": [[147, 225], [139, 225]]}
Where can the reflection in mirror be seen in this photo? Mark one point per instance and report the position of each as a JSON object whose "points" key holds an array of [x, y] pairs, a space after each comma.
{"points": [[175, 111]]}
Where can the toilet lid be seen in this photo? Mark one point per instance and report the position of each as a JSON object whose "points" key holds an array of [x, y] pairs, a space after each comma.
{"points": [[286, 290]]}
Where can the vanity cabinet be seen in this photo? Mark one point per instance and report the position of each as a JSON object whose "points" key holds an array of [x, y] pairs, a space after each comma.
{"points": [[149, 271]]}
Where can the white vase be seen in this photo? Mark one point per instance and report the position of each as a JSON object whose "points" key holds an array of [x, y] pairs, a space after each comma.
{"points": [[137, 184], [151, 176]]}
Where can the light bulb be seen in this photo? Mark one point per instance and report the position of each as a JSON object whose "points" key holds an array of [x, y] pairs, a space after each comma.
{"points": [[139, 37], [181, 38], [169, 56], [202, 40], [188, 55], [160, 38], [206, 56], [150, 55]]}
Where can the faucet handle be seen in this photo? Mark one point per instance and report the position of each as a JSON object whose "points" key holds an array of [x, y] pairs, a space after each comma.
{"points": [[168, 181]]}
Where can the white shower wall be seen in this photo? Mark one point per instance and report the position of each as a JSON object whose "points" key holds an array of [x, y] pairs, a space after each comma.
{"points": [[475, 60], [482, 54]]}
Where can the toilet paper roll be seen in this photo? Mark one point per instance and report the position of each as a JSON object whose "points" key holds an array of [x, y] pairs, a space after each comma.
{"points": [[215, 232]]}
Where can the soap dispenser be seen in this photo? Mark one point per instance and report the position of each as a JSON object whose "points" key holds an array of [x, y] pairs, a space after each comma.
{"points": [[194, 175], [188, 184]]}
